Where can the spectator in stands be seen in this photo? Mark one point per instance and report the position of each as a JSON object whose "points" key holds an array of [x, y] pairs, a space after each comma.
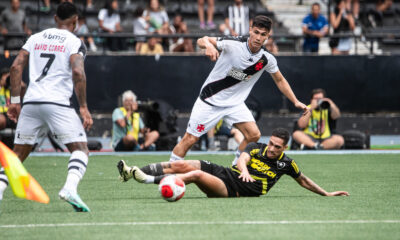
{"points": [[238, 19], [110, 22], [316, 128], [180, 44], [81, 28], [6, 122], [314, 27], [140, 27], [353, 6], [47, 6], [157, 17], [210, 14], [151, 47], [375, 16], [271, 46], [342, 22], [12, 20], [129, 132]]}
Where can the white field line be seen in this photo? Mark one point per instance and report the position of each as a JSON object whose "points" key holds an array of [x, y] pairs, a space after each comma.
{"points": [[284, 222]]}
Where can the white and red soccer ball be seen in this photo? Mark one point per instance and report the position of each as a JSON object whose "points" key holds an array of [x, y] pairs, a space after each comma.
{"points": [[171, 188]]}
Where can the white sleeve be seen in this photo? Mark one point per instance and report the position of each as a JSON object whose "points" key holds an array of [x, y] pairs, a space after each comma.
{"points": [[28, 45], [102, 14], [272, 66], [78, 47], [118, 19]]}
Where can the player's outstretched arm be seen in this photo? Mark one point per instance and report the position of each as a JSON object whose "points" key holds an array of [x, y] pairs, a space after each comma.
{"points": [[307, 183], [285, 88], [79, 79], [210, 45], [242, 166], [16, 71]]}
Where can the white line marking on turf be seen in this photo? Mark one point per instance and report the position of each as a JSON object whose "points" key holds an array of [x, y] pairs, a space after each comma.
{"points": [[198, 223]]}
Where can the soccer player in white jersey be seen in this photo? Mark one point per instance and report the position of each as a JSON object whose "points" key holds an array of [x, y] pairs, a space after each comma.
{"points": [[240, 63], [55, 58]]}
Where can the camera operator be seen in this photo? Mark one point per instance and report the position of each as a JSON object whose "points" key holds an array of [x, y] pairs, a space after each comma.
{"points": [[316, 128], [129, 131]]}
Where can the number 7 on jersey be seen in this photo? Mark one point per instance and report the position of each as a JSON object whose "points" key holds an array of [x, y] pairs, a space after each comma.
{"points": [[46, 68]]}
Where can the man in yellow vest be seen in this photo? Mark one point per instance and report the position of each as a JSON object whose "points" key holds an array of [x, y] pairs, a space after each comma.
{"points": [[5, 121], [129, 132], [316, 126]]}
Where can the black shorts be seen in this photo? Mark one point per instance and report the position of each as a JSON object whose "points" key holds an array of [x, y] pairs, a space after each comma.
{"points": [[235, 186]]}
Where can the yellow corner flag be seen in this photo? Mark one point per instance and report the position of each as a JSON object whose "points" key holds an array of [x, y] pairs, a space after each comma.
{"points": [[22, 183]]}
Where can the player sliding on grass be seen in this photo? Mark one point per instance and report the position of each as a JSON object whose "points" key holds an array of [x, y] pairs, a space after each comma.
{"points": [[240, 63], [55, 58], [258, 168]]}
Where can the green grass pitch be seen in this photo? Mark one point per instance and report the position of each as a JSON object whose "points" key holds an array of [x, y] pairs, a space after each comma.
{"points": [[136, 211]]}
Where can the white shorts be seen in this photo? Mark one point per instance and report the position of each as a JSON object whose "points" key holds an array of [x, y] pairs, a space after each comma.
{"points": [[204, 117], [36, 119]]}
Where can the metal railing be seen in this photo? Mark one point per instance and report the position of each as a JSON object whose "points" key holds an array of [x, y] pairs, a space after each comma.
{"points": [[279, 38]]}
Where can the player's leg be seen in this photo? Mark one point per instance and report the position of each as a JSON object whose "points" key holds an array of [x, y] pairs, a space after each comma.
{"points": [[237, 135], [158, 169], [180, 150], [203, 118], [334, 142], [209, 184], [241, 117], [66, 126]]}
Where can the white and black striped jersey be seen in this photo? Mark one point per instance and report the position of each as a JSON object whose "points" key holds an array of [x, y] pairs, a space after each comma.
{"points": [[50, 74], [235, 72]]}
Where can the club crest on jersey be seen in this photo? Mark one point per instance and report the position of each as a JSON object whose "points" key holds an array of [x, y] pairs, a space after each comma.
{"points": [[200, 128], [259, 65], [281, 165], [60, 39], [239, 75]]}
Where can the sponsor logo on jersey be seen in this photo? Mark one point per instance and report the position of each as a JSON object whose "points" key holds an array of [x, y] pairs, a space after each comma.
{"points": [[49, 36], [239, 75]]}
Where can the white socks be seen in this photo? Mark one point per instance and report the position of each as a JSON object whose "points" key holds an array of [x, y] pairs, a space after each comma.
{"points": [[174, 157], [3, 182], [76, 170], [237, 155]]}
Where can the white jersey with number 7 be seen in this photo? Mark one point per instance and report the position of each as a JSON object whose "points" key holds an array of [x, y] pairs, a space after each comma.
{"points": [[50, 74]]}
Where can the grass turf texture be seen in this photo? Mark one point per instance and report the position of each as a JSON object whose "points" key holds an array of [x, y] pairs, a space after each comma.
{"points": [[372, 180]]}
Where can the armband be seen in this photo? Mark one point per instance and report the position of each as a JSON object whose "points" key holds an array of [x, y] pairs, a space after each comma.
{"points": [[15, 99]]}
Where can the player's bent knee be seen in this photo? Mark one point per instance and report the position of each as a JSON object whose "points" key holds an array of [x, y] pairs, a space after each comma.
{"points": [[253, 137]]}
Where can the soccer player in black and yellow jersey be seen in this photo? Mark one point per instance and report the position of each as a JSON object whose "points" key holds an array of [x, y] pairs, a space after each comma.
{"points": [[258, 168]]}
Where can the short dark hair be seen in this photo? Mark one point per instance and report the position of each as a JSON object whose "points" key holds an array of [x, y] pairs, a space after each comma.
{"points": [[282, 134], [316, 91], [66, 10], [262, 21], [316, 4]]}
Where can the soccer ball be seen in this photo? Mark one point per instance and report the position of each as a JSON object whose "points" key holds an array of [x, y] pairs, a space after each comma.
{"points": [[171, 188]]}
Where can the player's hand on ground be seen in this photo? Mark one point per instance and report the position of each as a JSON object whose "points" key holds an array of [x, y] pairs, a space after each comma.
{"points": [[212, 52], [338, 193], [87, 118], [246, 177], [13, 111]]}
